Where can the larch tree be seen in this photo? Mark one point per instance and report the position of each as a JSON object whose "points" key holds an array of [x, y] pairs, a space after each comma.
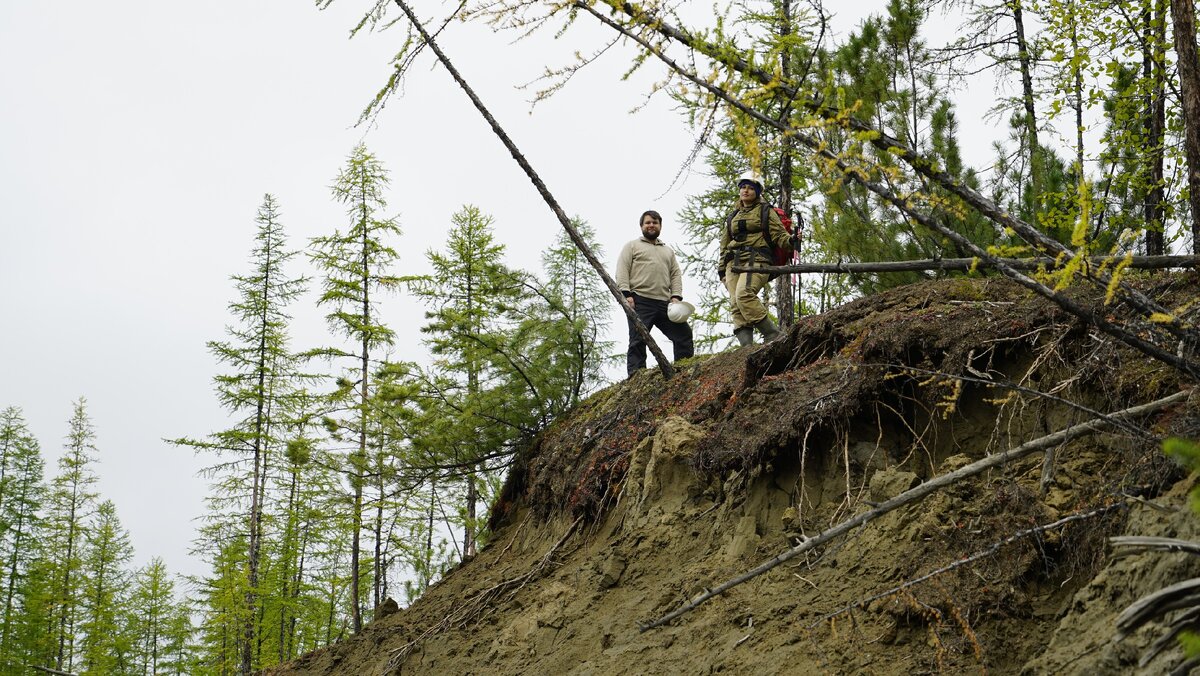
{"points": [[179, 654], [1183, 20], [32, 628], [708, 68], [107, 645], [151, 603], [222, 596], [301, 517], [469, 295], [356, 266], [788, 35], [71, 505], [574, 306], [393, 412], [262, 378], [22, 493]]}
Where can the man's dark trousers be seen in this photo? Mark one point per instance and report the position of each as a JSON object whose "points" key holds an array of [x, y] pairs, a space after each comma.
{"points": [[654, 313]]}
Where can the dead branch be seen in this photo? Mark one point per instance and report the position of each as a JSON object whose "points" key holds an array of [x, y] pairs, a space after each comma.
{"points": [[663, 364], [477, 606], [921, 491], [48, 670], [1185, 594], [990, 550], [1157, 544], [969, 264]]}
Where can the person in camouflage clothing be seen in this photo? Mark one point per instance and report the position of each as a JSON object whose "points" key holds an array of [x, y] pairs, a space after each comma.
{"points": [[744, 243]]}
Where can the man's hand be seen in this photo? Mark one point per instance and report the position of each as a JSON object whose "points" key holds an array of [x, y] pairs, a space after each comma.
{"points": [[629, 300]]}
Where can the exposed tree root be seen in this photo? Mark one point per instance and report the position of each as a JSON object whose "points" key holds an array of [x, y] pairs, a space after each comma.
{"points": [[921, 491], [990, 550], [480, 604]]}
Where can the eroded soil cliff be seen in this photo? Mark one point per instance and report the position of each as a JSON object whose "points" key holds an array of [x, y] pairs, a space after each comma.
{"points": [[654, 491]]}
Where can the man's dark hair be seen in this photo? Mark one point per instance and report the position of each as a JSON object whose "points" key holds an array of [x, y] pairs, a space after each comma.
{"points": [[652, 213]]}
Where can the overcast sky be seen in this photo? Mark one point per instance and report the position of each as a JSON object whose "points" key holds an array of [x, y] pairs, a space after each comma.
{"points": [[137, 139]]}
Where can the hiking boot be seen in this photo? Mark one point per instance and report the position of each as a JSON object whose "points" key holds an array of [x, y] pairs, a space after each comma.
{"points": [[769, 330], [744, 335]]}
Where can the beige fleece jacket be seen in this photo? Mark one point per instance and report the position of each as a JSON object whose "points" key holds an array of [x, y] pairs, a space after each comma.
{"points": [[649, 269]]}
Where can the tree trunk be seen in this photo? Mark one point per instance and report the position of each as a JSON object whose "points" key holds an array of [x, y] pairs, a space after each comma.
{"points": [[785, 306], [256, 483], [1031, 133], [1183, 19], [377, 597], [1154, 71], [361, 453], [469, 531], [289, 540], [1077, 78]]}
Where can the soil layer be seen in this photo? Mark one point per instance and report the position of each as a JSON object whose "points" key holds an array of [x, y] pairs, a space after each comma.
{"points": [[654, 491]]}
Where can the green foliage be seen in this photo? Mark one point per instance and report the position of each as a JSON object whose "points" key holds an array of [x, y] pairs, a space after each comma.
{"points": [[510, 354], [107, 646], [479, 375], [356, 262], [572, 319], [223, 598], [154, 619], [65, 588], [72, 503], [21, 501], [356, 266], [884, 73], [1186, 453], [263, 390]]}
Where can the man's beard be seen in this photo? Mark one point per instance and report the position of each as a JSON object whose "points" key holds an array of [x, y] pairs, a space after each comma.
{"points": [[650, 236]]}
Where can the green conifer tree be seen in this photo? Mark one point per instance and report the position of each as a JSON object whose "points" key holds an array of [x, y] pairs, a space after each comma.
{"points": [[21, 499], [221, 595], [576, 306], [107, 645], [356, 266], [471, 294], [72, 503], [263, 379], [150, 604]]}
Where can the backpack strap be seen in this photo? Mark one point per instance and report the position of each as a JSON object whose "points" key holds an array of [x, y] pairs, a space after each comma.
{"points": [[741, 233], [764, 219]]}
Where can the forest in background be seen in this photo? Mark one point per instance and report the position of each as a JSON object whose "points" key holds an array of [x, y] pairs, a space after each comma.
{"points": [[348, 476]]}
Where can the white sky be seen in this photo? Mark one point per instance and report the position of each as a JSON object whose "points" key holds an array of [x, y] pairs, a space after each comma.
{"points": [[137, 139]]}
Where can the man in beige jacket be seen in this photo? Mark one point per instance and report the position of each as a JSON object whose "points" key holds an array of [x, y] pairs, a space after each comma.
{"points": [[649, 277]]}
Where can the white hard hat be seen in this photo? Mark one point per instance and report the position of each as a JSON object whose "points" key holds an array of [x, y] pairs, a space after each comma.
{"points": [[679, 311], [751, 177]]}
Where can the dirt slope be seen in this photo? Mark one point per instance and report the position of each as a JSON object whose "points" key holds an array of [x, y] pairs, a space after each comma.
{"points": [[654, 491]]}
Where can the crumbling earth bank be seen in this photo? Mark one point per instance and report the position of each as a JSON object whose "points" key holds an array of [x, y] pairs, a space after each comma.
{"points": [[652, 492]]}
